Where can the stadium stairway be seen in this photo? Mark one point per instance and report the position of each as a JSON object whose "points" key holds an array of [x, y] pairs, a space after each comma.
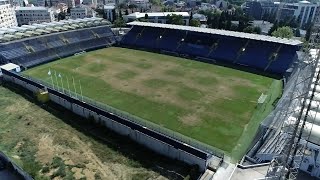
{"points": [[273, 146]]}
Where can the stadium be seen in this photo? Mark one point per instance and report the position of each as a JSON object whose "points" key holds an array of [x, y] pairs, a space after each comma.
{"points": [[201, 96]]}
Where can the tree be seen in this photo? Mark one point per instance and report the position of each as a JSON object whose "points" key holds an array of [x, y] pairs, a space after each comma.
{"points": [[191, 16], [127, 12], [273, 28], [248, 29], [104, 16], [283, 32], [221, 5], [175, 19], [308, 33], [120, 13], [195, 22], [61, 16], [257, 30], [293, 23], [155, 2], [119, 22], [132, 6], [122, 6], [265, 16], [222, 20], [228, 24], [297, 32], [114, 15], [233, 27]]}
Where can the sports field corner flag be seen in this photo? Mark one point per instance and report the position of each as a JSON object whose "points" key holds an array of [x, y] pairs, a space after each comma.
{"points": [[49, 72]]}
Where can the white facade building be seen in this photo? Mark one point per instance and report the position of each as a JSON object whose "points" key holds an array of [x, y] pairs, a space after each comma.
{"points": [[304, 11], [29, 15], [19, 2], [7, 15]]}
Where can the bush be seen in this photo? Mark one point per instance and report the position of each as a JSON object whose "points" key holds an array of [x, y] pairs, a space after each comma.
{"points": [[60, 172], [45, 169], [57, 162]]}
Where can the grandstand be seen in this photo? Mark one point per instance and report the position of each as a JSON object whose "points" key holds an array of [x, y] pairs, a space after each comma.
{"points": [[52, 45], [42, 43], [256, 52]]}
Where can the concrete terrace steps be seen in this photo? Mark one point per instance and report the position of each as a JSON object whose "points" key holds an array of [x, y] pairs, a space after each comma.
{"points": [[272, 147]]}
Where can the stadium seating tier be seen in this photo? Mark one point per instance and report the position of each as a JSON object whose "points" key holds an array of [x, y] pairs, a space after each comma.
{"points": [[273, 58], [37, 50]]}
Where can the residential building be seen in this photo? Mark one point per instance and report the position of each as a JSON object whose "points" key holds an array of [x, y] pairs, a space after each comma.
{"points": [[140, 3], [87, 2], [107, 9], [156, 17], [38, 2], [63, 7], [202, 18], [303, 11], [221, 4], [81, 12], [258, 8], [19, 2], [78, 12], [29, 15], [69, 3], [7, 15], [107, 2], [207, 6]]}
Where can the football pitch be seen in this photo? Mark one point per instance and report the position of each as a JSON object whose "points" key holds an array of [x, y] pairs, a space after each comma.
{"points": [[212, 104]]}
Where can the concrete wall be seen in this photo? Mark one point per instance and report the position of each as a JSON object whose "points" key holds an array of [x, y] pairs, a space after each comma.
{"points": [[122, 129]]}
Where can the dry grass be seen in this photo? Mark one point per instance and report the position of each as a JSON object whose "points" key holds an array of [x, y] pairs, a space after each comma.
{"points": [[47, 147]]}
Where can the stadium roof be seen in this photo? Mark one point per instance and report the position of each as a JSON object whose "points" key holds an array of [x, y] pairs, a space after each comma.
{"points": [[46, 28], [156, 14], [220, 32]]}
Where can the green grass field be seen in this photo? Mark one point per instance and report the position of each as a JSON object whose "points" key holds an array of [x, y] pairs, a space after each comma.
{"points": [[212, 104]]}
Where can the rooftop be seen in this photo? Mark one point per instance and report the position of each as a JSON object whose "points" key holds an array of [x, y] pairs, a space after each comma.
{"points": [[221, 32], [157, 14], [30, 8]]}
